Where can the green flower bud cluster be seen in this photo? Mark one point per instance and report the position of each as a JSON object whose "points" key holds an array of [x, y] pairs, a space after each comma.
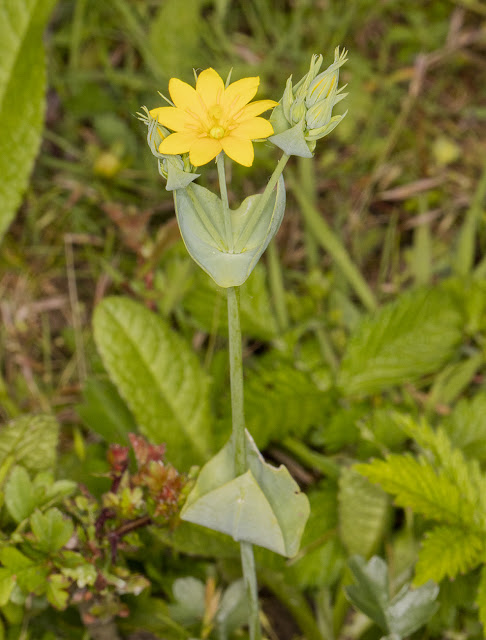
{"points": [[304, 114]]}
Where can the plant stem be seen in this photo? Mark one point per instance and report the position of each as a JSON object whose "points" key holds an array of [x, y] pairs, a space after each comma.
{"points": [[224, 199], [238, 437]]}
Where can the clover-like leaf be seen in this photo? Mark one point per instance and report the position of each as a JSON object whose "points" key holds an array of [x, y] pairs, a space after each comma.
{"points": [[201, 219], [263, 506]]}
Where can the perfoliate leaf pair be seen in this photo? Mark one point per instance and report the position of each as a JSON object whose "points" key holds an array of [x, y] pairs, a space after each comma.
{"points": [[201, 218], [264, 506]]}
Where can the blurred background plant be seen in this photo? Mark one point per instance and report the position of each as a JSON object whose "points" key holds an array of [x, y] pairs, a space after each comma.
{"points": [[340, 349]]}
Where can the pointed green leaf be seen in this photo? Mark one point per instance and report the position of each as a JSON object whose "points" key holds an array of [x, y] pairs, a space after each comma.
{"points": [[202, 223], [7, 584], [292, 141], [51, 529], [22, 92], [370, 594], [407, 339], [57, 591], [30, 576], [158, 376], [264, 506], [31, 440]]}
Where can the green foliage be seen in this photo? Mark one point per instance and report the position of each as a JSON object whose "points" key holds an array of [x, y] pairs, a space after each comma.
{"points": [[281, 400], [22, 89], [51, 529], [405, 340], [158, 376], [31, 440], [363, 513], [105, 413], [399, 616], [466, 426]]}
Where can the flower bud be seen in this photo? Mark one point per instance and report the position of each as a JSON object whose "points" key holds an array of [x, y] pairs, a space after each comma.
{"points": [[304, 114]]}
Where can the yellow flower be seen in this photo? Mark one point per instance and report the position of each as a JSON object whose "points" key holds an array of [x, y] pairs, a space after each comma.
{"points": [[211, 118]]}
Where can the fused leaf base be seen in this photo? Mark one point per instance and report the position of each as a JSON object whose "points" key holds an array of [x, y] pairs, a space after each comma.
{"points": [[264, 506]]}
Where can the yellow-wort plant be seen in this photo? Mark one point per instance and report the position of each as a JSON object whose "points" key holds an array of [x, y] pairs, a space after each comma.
{"points": [[237, 492]]}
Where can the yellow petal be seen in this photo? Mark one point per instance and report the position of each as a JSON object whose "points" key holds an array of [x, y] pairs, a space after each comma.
{"points": [[253, 128], [255, 109], [240, 93], [177, 143], [183, 95], [239, 150], [171, 117], [210, 87], [203, 150]]}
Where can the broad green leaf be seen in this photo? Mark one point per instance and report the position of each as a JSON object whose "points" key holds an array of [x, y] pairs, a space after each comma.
{"points": [[196, 540], [410, 609], [448, 551], [364, 512], [158, 376], [30, 440], [263, 506], [403, 341], [233, 609], [22, 91], [103, 411], [51, 529], [201, 219], [20, 497]]}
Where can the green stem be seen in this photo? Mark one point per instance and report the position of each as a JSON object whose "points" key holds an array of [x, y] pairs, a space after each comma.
{"points": [[331, 243], [255, 216], [224, 199], [238, 437]]}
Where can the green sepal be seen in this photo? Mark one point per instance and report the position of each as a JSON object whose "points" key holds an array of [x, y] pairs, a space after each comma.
{"points": [[200, 215], [264, 506]]}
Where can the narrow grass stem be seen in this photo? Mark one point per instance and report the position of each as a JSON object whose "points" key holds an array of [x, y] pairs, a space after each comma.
{"points": [[238, 437], [331, 243], [464, 259]]}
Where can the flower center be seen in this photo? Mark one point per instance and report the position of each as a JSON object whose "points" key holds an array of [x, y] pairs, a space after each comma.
{"points": [[216, 132]]}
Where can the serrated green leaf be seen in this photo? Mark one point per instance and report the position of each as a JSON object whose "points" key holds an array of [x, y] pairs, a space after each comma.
{"points": [[105, 413], [363, 513], [22, 91], [29, 575], [403, 341], [281, 400], [51, 529], [31, 440], [158, 376], [20, 497], [447, 551], [57, 591], [263, 506]]}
